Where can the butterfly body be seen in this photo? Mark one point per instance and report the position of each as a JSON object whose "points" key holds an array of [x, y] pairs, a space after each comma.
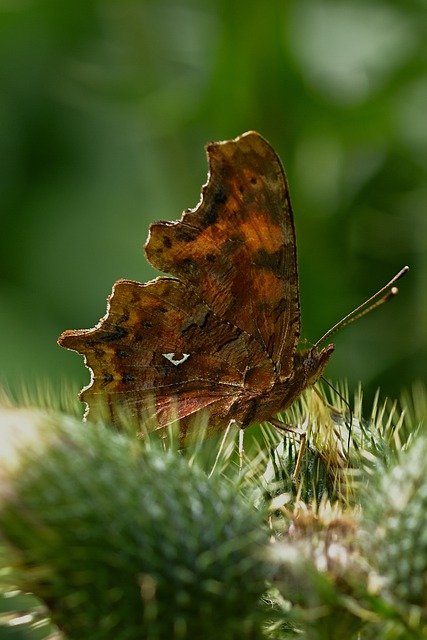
{"points": [[220, 335], [258, 406]]}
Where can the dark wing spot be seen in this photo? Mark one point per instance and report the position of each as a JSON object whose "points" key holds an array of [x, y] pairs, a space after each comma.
{"points": [[200, 320], [210, 257], [187, 265], [220, 196], [273, 261], [167, 242], [111, 336], [210, 215], [128, 378], [186, 233], [122, 354]]}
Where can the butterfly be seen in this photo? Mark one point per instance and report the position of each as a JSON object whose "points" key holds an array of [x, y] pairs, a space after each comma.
{"points": [[219, 334]]}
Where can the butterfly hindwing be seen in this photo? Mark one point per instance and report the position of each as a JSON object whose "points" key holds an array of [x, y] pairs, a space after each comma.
{"points": [[159, 341]]}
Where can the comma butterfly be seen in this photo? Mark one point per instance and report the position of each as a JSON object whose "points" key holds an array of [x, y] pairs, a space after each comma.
{"points": [[222, 333]]}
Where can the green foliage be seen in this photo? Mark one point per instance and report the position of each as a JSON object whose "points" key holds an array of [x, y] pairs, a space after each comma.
{"points": [[105, 108]]}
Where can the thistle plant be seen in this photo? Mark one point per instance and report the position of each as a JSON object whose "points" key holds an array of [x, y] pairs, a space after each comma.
{"points": [[321, 570], [123, 539], [294, 535], [395, 530]]}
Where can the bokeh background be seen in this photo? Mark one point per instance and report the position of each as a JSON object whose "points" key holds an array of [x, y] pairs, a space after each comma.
{"points": [[105, 107]]}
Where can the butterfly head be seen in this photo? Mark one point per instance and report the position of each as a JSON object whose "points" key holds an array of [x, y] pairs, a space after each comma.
{"points": [[310, 363]]}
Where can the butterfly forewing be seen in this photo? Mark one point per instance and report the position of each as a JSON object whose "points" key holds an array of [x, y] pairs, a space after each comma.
{"points": [[237, 247]]}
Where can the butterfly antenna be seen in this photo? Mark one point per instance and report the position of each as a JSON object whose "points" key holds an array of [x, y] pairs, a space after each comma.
{"points": [[385, 293]]}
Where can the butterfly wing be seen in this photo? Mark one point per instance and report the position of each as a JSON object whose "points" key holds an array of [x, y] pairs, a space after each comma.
{"points": [[237, 247], [160, 348]]}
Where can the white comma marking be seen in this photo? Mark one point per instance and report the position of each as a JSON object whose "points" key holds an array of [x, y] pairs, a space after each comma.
{"points": [[176, 361]]}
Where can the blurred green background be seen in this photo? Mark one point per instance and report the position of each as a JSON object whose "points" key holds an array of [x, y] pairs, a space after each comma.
{"points": [[105, 107]]}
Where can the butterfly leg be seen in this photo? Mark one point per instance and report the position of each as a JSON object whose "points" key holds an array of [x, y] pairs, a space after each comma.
{"points": [[287, 428], [241, 447], [301, 436]]}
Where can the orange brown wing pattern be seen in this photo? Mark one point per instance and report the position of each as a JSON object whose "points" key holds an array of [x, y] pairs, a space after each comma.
{"points": [[237, 247], [159, 341]]}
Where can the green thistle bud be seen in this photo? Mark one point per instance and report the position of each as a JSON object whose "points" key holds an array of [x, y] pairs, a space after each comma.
{"points": [[320, 571], [123, 540], [396, 529]]}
